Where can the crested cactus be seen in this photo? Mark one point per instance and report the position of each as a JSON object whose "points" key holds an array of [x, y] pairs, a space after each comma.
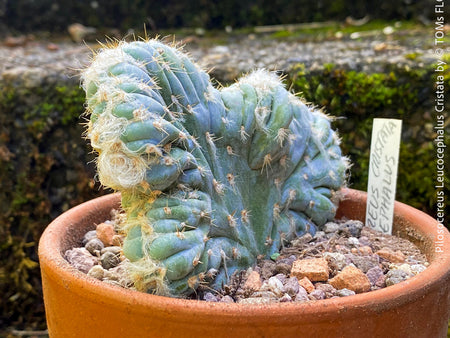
{"points": [[210, 179]]}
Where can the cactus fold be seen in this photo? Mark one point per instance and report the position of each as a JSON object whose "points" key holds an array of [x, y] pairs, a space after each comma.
{"points": [[210, 179]]}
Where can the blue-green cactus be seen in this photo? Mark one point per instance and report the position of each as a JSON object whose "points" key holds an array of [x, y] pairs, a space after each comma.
{"points": [[210, 179]]}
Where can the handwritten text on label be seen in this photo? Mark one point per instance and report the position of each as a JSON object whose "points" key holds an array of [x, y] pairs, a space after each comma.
{"points": [[383, 166]]}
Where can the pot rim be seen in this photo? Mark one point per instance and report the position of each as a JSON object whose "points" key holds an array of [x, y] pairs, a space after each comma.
{"points": [[57, 268]]}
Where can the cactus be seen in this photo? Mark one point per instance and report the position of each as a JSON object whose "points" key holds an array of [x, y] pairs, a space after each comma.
{"points": [[210, 179]]}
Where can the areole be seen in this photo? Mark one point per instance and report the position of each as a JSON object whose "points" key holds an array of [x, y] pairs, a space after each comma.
{"points": [[81, 306]]}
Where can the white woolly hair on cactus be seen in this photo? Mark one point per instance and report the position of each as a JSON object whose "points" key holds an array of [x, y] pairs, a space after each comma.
{"points": [[117, 166], [262, 80]]}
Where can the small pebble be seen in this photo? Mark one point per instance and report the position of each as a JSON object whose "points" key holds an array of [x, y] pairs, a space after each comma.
{"points": [[109, 260], [302, 295], [119, 273], [285, 298], [363, 251], [292, 286], [381, 282], [94, 246], [364, 241], [289, 260], [327, 288], [306, 284], [81, 259], [336, 258], [116, 250], [365, 263], [106, 232], [282, 268], [354, 227], [52, 47], [97, 272], [341, 249], [253, 282], [282, 277], [88, 236], [316, 269], [112, 275], [227, 299], [317, 294], [353, 241], [405, 267], [274, 285], [267, 269], [391, 256], [388, 30], [351, 278], [344, 292], [330, 227], [12, 41], [396, 276], [209, 297], [417, 268], [320, 236], [374, 274]]}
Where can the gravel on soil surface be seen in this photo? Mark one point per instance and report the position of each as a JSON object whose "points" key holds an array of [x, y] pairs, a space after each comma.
{"points": [[342, 259]]}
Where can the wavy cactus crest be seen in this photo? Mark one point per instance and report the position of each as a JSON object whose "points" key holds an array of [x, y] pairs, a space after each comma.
{"points": [[210, 179]]}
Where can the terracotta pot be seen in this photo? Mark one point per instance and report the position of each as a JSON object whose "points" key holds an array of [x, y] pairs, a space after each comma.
{"points": [[80, 306]]}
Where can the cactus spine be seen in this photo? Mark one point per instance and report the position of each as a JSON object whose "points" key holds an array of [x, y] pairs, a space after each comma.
{"points": [[210, 179]]}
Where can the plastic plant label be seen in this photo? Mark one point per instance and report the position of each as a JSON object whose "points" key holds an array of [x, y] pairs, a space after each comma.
{"points": [[384, 154]]}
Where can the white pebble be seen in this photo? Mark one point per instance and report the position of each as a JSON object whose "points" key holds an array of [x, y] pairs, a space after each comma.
{"points": [[339, 259], [388, 30], [417, 268], [274, 285], [353, 241]]}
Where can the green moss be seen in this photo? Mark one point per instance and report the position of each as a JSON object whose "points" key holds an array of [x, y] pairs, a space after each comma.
{"points": [[352, 92], [59, 103], [446, 69], [69, 102], [413, 56], [446, 58], [281, 34], [43, 171]]}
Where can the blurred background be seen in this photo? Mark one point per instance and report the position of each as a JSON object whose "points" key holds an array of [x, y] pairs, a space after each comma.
{"points": [[356, 59], [32, 15]]}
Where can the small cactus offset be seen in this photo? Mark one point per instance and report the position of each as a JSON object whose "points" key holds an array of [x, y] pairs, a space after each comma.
{"points": [[210, 179]]}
